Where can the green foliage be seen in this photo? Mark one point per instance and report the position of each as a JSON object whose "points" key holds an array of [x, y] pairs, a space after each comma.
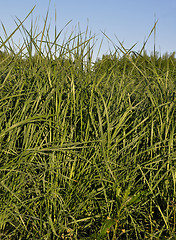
{"points": [[87, 150]]}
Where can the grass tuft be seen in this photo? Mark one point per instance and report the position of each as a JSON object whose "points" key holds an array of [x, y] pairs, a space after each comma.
{"points": [[87, 149]]}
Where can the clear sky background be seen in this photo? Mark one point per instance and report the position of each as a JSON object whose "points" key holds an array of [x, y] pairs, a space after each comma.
{"points": [[129, 20]]}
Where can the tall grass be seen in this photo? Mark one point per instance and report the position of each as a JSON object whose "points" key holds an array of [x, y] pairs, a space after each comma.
{"points": [[87, 150]]}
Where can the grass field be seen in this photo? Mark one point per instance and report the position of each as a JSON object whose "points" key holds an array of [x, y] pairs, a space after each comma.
{"points": [[87, 150]]}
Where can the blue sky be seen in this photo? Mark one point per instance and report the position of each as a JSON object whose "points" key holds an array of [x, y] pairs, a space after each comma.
{"points": [[129, 20]]}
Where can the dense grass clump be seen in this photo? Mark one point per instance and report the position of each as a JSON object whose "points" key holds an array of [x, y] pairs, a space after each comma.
{"points": [[87, 150]]}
